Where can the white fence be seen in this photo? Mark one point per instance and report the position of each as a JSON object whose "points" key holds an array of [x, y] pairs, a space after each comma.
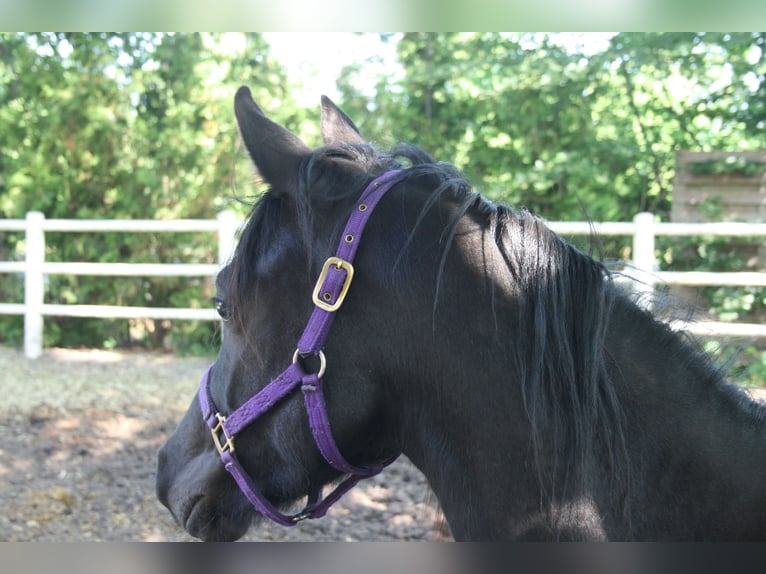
{"points": [[35, 268], [643, 229]]}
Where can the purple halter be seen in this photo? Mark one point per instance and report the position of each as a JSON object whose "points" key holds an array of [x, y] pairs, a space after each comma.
{"points": [[329, 293]]}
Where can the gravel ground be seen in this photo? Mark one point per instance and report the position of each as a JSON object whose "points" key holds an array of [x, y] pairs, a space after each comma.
{"points": [[79, 433]]}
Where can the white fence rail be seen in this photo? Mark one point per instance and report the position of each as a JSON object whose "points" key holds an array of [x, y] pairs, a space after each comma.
{"points": [[35, 268], [644, 229]]}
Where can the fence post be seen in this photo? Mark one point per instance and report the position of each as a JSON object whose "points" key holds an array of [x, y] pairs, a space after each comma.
{"points": [[34, 286], [643, 256], [227, 232]]}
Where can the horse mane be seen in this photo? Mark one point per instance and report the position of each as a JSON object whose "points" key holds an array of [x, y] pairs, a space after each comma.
{"points": [[706, 374], [565, 300]]}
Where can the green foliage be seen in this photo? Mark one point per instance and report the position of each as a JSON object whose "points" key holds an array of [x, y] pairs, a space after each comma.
{"points": [[724, 303], [564, 133], [728, 166], [124, 126], [747, 365]]}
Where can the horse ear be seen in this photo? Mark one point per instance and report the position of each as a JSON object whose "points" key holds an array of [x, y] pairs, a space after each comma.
{"points": [[337, 127], [276, 152]]}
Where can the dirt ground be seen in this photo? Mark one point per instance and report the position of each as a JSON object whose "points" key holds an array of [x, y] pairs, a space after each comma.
{"points": [[79, 434]]}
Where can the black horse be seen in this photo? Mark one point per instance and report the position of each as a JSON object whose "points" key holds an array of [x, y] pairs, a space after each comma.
{"points": [[539, 400]]}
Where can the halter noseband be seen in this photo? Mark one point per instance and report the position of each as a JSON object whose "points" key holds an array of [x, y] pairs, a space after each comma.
{"points": [[329, 293]]}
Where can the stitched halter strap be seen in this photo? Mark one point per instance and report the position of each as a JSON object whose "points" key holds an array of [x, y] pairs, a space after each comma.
{"points": [[329, 293]]}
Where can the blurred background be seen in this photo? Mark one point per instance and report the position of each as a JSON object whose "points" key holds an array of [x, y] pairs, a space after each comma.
{"points": [[572, 126]]}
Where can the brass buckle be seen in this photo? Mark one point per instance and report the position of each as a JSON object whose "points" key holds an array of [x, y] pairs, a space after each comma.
{"points": [[218, 429], [319, 298]]}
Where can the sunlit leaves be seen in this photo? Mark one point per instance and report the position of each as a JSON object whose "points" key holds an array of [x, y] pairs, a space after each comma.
{"points": [[536, 120], [125, 125]]}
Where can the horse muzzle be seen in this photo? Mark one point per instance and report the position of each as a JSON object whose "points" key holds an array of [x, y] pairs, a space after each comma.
{"points": [[201, 495]]}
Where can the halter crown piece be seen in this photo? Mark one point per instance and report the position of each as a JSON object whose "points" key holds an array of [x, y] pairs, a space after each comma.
{"points": [[329, 293]]}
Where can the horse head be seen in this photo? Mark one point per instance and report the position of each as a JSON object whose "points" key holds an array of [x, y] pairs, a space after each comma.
{"points": [[264, 297]]}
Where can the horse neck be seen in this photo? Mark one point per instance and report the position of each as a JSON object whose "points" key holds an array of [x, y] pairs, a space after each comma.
{"points": [[502, 345], [458, 432], [465, 420], [697, 446], [698, 443], [693, 458]]}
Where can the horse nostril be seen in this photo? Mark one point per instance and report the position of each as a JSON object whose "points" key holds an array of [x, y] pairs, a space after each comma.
{"points": [[188, 511]]}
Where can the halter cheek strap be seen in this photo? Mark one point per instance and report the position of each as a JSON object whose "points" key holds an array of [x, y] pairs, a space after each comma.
{"points": [[329, 293]]}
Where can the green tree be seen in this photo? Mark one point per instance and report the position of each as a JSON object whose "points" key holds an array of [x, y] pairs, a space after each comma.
{"points": [[124, 126], [513, 111], [538, 124], [681, 91]]}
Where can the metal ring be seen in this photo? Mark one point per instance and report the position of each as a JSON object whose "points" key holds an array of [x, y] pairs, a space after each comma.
{"points": [[322, 361]]}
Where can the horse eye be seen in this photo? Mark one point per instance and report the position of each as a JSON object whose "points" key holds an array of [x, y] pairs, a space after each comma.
{"points": [[340, 154], [221, 308]]}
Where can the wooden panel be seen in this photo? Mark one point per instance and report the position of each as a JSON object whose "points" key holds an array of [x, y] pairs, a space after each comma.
{"points": [[740, 198]]}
